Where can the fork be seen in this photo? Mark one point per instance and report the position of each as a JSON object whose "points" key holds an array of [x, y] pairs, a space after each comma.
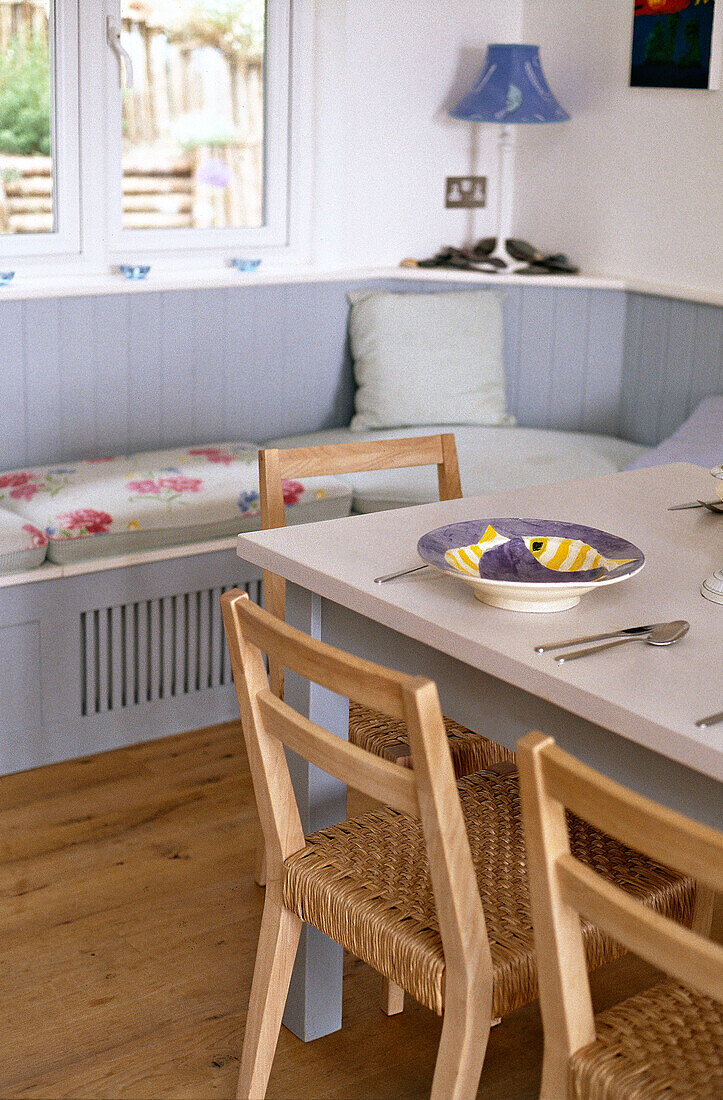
{"points": [[711, 505]]}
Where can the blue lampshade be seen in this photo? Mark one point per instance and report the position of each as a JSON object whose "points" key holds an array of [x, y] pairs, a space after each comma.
{"points": [[511, 88]]}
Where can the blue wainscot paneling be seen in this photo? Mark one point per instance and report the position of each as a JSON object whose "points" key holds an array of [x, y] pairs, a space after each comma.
{"points": [[88, 376], [673, 358]]}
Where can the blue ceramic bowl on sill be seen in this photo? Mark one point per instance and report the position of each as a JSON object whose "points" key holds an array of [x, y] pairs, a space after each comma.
{"points": [[245, 265], [134, 271]]}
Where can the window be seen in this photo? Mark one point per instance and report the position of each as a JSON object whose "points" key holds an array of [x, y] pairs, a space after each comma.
{"points": [[38, 127], [167, 130]]}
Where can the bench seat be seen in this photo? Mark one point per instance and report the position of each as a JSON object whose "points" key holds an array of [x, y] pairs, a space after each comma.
{"points": [[95, 508], [490, 460], [98, 507]]}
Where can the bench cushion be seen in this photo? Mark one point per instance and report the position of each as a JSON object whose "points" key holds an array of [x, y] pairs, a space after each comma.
{"points": [[22, 546], [97, 507], [490, 460], [698, 440]]}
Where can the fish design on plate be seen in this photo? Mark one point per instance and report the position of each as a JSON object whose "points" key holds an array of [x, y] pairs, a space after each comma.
{"points": [[554, 552]]}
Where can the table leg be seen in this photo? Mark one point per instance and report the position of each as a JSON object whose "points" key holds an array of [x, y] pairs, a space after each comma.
{"points": [[313, 1006]]}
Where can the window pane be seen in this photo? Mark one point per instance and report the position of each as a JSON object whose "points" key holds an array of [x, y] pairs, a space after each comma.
{"points": [[26, 163], [193, 124]]}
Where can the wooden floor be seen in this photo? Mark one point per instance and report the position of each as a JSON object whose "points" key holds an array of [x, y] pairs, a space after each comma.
{"points": [[128, 928]]}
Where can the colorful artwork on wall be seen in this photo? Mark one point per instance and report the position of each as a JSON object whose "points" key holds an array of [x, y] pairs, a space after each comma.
{"points": [[676, 44]]}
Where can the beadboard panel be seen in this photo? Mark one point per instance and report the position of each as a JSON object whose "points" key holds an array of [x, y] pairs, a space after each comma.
{"points": [[673, 358], [89, 376], [605, 363], [12, 372]]}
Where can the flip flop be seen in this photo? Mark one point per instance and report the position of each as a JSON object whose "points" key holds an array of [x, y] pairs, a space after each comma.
{"points": [[556, 261]]}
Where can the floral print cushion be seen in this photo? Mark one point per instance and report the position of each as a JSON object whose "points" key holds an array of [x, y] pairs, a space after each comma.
{"points": [[155, 498], [22, 546]]}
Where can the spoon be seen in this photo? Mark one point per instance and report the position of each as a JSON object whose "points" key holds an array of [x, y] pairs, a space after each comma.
{"points": [[663, 634]]}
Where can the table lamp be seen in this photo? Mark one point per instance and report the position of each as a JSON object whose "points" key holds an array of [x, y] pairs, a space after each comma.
{"points": [[511, 89]]}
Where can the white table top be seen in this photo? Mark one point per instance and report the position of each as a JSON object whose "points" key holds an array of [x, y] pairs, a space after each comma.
{"points": [[650, 695]]}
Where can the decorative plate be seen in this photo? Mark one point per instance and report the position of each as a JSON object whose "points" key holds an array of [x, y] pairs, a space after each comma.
{"points": [[530, 564]]}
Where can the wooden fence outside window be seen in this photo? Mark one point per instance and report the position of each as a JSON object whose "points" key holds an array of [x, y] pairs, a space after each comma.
{"points": [[167, 183]]}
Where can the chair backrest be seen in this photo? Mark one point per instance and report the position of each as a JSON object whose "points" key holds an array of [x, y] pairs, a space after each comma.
{"points": [[343, 458], [427, 791], [562, 889]]}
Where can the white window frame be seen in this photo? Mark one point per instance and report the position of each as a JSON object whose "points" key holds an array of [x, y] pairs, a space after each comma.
{"points": [[65, 240], [87, 163]]}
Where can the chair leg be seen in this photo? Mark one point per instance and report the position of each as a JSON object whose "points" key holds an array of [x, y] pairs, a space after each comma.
{"points": [[392, 998], [461, 1053], [554, 1073], [260, 866], [703, 909], [275, 955]]}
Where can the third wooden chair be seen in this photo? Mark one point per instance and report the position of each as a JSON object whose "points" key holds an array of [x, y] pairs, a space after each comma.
{"points": [[667, 1042]]}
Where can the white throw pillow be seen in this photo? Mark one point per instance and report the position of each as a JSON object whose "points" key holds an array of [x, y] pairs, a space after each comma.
{"points": [[427, 358]]}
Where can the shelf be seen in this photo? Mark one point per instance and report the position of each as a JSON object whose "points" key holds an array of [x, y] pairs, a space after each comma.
{"points": [[88, 285]]}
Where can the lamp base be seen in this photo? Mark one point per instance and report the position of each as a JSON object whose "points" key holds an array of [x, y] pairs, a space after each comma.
{"points": [[493, 252], [510, 263], [712, 588]]}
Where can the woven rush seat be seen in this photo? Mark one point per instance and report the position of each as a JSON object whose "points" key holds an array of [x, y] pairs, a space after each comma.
{"points": [[384, 737], [663, 1044], [366, 884]]}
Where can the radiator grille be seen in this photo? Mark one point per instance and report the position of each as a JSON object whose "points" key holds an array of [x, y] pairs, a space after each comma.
{"points": [[154, 649]]}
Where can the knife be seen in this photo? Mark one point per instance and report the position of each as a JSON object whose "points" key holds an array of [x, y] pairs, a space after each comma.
{"points": [[401, 573], [630, 632]]}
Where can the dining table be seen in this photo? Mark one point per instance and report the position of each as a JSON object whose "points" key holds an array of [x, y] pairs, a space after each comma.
{"points": [[629, 711]]}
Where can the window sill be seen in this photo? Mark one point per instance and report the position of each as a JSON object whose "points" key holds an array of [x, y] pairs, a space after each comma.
{"points": [[85, 285]]}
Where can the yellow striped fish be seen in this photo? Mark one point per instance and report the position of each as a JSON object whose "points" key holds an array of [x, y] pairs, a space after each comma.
{"points": [[466, 558], [562, 555], [570, 555]]}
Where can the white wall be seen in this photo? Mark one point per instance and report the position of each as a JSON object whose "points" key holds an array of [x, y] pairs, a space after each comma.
{"points": [[633, 184], [387, 70]]}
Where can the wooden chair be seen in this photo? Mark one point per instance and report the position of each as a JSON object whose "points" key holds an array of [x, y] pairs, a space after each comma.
{"points": [[666, 1042], [396, 886], [367, 728]]}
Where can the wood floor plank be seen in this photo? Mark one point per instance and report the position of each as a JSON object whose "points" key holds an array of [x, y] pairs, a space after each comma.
{"points": [[85, 772], [198, 1055], [36, 822], [128, 927], [36, 904]]}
